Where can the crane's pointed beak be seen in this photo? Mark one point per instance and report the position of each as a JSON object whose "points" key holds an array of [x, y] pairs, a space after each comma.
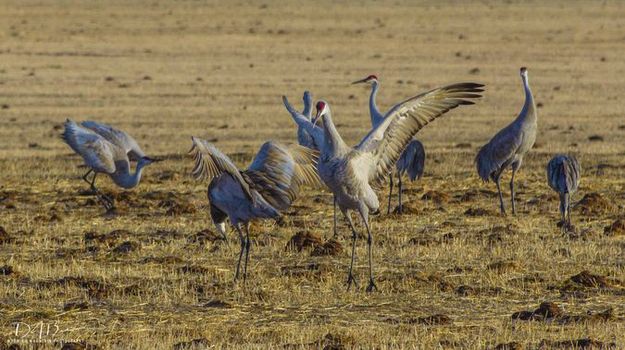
{"points": [[316, 118], [360, 81]]}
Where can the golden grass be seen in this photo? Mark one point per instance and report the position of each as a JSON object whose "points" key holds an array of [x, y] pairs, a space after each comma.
{"points": [[164, 72]]}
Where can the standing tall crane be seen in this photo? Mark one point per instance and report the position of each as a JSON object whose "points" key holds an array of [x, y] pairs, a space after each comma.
{"points": [[268, 186], [412, 160], [508, 147], [104, 156], [312, 135], [563, 175], [349, 171]]}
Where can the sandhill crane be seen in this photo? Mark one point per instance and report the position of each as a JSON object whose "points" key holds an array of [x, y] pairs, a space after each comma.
{"points": [[349, 172], [315, 133], [509, 146], [412, 159], [563, 175], [268, 186], [103, 156]]}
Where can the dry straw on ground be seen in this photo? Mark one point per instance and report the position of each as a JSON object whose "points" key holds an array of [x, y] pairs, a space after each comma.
{"points": [[451, 273]]}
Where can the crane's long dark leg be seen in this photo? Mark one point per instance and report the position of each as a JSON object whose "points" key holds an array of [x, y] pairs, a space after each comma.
{"points": [[106, 201], [242, 240], [400, 189], [350, 275], [365, 219], [514, 169], [562, 212], [501, 206], [336, 232], [390, 194], [567, 207], [84, 177], [247, 250]]}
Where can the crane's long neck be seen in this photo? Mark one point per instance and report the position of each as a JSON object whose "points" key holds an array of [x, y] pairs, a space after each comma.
{"points": [[374, 112], [528, 113], [128, 180], [333, 142]]}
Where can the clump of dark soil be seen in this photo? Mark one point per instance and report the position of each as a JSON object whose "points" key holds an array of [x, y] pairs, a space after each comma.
{"points": [[4, 236], [509, 346], [546, 310], [216, 303], [82, 345], [584, 343], [75, 305], [331, 247], [478, 212], [204, 236], [161, 260], [7, 270], [127, 247], [199, 343], [304, 239], [107, 238], [436, 197], [193, 269], [594, 204], [587, 279], [503, 266], [467, 291], [433, 320], [617, 228], [307, 270]]}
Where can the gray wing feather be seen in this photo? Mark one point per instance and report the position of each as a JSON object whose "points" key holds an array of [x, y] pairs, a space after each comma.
{"points": [[312, 135], [117, 137], [498, 152], [277, 172], [386, 142], [210, 162], [563, 173], [98, 153], [412, 160]]}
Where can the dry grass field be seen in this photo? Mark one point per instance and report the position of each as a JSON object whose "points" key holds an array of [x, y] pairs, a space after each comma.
{"points": [[451, 271]]}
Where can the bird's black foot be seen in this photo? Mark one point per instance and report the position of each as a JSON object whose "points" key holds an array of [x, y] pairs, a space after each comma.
{"points": [[371, 287], [351, 280], [89, 192]]}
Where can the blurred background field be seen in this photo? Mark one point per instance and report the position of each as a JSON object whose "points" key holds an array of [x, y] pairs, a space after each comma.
{"points": [[451, 273]]}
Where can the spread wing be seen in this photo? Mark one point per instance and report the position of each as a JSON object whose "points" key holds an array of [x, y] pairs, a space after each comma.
{"points": [[210, 162], [97, 152], [381, 148], [277, 172], [117, 137]]}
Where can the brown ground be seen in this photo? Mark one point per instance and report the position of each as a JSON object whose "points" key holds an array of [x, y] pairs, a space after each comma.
{"points": [[451, 274]]}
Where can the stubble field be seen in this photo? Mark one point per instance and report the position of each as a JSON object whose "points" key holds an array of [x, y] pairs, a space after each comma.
{"points": [[451, 271]]}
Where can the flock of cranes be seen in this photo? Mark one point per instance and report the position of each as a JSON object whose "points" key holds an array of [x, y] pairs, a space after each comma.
{"points": [[275, 177]]}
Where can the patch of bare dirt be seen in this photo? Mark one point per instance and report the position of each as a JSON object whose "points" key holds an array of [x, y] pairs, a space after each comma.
{"points": [[587, 279], [127, 247], [503, 266], [199, 343], [82, 345], [509, 346], [468, 290], [75, 305], [107, 238], [546, 310], [204, 236], [436, 197], [161, 260], [307, 269], [7, 270], [4, 236], [433, 320], [594, 204], [584, 343], [304, 239], [193, 269], [216, 303], [478, 212], [617, 228], [331, 247]]}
